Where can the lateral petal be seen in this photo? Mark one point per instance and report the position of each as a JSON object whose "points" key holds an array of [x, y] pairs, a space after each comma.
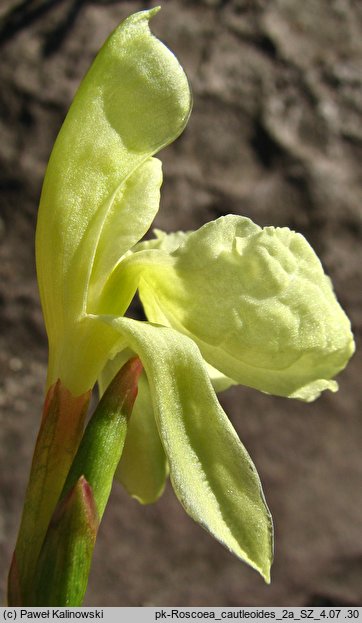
{"points": [[211, 472]]}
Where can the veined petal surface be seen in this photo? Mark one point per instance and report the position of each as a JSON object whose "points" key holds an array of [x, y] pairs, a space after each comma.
{"points": [[134, 100], [256, 301], [211, 472]]}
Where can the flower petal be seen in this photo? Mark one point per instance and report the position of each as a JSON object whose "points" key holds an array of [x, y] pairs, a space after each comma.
{"points": [[101, 188], [211, 472], [256, 301], [128, 219]]}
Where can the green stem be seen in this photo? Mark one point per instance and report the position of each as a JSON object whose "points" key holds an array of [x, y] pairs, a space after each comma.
{"points": [[64, 562], [65, 558], [58, 439]]}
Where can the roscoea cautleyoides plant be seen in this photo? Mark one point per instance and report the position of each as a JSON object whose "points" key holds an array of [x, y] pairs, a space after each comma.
{"points": [[231, 303]]}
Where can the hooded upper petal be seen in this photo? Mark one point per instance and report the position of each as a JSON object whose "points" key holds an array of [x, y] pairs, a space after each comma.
{"points": [[134, 100]]}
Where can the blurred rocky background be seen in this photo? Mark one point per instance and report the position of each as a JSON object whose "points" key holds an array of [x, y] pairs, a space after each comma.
{"points": [[275, 135]]}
